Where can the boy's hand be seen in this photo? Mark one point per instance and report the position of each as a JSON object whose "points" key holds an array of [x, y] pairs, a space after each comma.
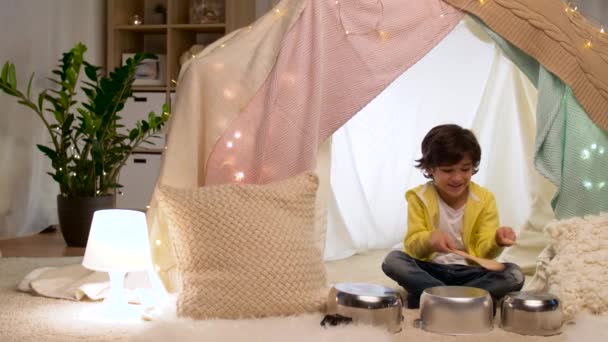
{"points": [[441, 242], [505, 236]]}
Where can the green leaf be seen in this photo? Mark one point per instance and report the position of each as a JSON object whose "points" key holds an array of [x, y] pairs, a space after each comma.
{"points": [[4, 74], [48, 152], [91, 71], [41, 98], [29, 85], [11, 76]]}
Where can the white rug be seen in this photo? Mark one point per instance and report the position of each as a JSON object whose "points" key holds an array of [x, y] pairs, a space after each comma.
{"points": [[27, 318]]}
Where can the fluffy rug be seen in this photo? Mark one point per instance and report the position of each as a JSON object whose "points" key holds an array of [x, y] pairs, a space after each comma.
{"points": [[573, 266], [24, 317], [306, 328], [297, 329]]}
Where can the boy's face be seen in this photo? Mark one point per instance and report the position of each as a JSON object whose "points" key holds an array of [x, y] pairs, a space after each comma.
{"points": [[452, 181]]}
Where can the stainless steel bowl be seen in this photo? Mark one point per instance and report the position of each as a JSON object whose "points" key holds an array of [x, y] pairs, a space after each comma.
{"points": [[531, 313], [456, 310], [367, 304]]}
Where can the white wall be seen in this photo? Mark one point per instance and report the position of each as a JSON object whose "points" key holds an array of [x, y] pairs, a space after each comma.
{"points": [[34, 35]]}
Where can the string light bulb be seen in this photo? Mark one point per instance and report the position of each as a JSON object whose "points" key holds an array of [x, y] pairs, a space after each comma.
{"points": [[279, 12], [158, 242], [587, 184], [237, 135], [229, 144], [239, 176], [229, 94], [571, 7], [383, 35], [372, 31], [602, 31], [588, 44], [481, 2]]}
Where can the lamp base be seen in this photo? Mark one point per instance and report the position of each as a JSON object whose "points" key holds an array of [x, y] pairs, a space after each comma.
{"points": [[116, 299]]}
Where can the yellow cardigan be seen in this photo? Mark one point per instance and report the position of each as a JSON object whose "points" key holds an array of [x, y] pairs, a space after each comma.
{"points": [[479, 223]]}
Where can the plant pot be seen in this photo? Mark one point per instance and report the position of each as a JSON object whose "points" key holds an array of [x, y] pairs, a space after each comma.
{"points": [[75, 216]]}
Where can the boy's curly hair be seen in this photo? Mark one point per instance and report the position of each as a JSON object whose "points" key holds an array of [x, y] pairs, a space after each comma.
{"points": [[446, 145]]}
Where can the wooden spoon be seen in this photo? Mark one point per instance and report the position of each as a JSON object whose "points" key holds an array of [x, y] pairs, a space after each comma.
{"points": [[488, 264], [508, 243]]}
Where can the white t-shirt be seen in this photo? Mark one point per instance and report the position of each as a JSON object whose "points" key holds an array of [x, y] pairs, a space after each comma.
{"points": [[451, 222]]}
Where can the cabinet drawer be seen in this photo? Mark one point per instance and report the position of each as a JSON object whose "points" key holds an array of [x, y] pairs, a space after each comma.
{"points": [[138, 178], [137, 108]]}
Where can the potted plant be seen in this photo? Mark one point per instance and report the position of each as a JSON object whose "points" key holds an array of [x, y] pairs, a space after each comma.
{"points": [[88, 145]]}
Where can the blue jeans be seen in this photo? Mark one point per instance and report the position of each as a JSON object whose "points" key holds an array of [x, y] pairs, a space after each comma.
{"points": [[415, 276]]}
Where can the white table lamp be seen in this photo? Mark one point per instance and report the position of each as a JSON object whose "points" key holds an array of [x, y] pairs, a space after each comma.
{"points": [[118, 243]]}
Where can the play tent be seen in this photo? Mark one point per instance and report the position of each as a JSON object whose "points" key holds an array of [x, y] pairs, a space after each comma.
{"points": [[262, 104]]}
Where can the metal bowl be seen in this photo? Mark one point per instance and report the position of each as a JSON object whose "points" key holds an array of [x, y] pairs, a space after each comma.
{"points": [[367, 304], [456, 310], [531, 313]]}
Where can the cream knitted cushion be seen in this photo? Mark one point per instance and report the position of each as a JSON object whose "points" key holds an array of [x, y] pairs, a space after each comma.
{"points": [[576, 265], [246, 250]]}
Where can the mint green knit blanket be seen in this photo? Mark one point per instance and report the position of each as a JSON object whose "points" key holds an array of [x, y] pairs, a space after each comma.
{"points": [[570, 150]]}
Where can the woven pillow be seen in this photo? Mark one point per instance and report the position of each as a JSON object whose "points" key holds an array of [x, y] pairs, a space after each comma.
{"points": [[577, 271], [246, 250]]}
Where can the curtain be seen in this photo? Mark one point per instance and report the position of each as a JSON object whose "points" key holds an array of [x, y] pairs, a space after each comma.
{"points": [[373, 154], [36, 33]]}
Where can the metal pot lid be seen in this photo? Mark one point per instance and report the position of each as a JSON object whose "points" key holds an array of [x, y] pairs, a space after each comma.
{"points": [[531, 301], [366, 296]]}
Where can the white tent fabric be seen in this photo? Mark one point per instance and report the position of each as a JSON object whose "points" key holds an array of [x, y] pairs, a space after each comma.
{"points": [[45, 30], [373, 154]]}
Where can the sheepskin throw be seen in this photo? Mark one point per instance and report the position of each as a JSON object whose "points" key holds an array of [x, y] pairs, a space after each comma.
{"points": [[246, 250], [574, 266]]}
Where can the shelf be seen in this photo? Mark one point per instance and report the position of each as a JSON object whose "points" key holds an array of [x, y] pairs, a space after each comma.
{"points": [[202, 28], [148, 150], [142, 28], [175, 33], [149, 88]]}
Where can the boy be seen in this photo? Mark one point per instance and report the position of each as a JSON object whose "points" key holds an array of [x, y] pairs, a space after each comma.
{"points": [[450, 212]]}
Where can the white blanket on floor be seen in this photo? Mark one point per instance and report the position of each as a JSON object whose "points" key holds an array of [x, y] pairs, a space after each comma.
{"points": [[75, 282]]}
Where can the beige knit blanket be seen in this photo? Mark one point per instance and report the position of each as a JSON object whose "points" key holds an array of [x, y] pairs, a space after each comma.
{"points": [[562, 40]]}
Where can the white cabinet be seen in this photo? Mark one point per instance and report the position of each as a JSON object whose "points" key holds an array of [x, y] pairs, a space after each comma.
{"points": [[137, 108], [138, 178]]}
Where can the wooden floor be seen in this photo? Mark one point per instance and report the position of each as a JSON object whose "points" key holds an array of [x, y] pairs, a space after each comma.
{"points": [[39, 245]]}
